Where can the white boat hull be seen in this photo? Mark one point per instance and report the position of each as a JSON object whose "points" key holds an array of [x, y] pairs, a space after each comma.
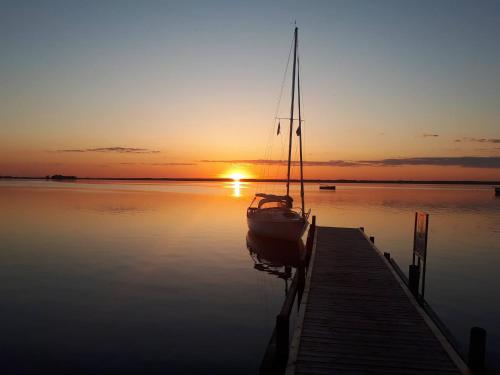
{"points": [[289, 230]]}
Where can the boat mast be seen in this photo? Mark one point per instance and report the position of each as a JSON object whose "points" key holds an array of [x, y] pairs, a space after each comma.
{"points": [[300, 141], [291, 112]]}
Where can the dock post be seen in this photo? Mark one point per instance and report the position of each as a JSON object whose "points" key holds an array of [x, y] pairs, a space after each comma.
{"points": [[282, 337], [372, 239], [414, 279], [477, 350], [362, 229], [387, 255], [309, 241]]}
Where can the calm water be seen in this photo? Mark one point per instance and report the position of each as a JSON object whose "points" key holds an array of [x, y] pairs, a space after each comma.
{"points": [[103, 277]]}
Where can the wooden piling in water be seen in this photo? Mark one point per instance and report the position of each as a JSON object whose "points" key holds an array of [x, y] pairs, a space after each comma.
{"points": [[477, 350], [277, 352], [282, 337], [414, 279]]}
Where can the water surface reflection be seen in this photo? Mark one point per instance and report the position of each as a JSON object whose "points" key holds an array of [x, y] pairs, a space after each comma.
{"points": [[156, 275]]}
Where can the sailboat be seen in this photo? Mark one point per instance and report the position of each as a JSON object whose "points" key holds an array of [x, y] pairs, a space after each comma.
{"points": [[274, 216]]}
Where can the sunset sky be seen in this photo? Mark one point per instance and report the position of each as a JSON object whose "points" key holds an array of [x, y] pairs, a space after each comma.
{"points": [[392, 89]]}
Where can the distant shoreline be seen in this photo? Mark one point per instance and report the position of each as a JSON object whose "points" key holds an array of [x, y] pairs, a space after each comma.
{"points": [[317, 181]]}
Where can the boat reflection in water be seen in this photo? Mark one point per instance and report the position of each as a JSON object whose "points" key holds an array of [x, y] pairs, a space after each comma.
{"points": [[275, 257]]}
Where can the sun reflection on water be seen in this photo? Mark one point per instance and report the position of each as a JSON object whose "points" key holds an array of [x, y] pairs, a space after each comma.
{"points": [[237, 189]]}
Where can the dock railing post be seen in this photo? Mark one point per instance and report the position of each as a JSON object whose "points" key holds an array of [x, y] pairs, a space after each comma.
{"points": [[309, 242], [414, 279], [477, 350]]}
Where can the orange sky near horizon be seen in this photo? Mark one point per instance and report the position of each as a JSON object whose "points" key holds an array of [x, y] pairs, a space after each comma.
{"points": [[150, 165]]}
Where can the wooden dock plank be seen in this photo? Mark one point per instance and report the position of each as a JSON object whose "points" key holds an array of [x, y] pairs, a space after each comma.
{"points": [[359, 319]]}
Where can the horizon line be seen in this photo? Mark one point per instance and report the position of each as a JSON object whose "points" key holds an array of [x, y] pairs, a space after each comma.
{"points": [[226, 179]]}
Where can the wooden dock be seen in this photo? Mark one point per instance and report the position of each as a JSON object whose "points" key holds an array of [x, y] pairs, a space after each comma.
{"points": [[358, 317]]}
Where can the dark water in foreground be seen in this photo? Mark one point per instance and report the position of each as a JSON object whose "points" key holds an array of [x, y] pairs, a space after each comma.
{"points": [[129, 277]]}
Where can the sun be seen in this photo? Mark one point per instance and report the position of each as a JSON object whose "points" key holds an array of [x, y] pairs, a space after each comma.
{"points": [[236, 175]]}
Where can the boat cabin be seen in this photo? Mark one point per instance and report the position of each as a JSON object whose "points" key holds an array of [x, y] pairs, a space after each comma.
{"points": [[265, 201]]}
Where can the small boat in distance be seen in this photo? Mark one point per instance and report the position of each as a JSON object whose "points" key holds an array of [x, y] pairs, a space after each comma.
{"points": [[61, 177], [327, 187], [272, 215]]}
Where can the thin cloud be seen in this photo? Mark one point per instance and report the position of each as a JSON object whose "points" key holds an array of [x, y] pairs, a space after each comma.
{"points": [[119, 150], [458, 161], [429, 135], [480, 140], [131, 150], [159, 164], [162, 164], [329, 163]]}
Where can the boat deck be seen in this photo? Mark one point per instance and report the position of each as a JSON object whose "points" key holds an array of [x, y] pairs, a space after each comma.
{"points": [[358, 317]]}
